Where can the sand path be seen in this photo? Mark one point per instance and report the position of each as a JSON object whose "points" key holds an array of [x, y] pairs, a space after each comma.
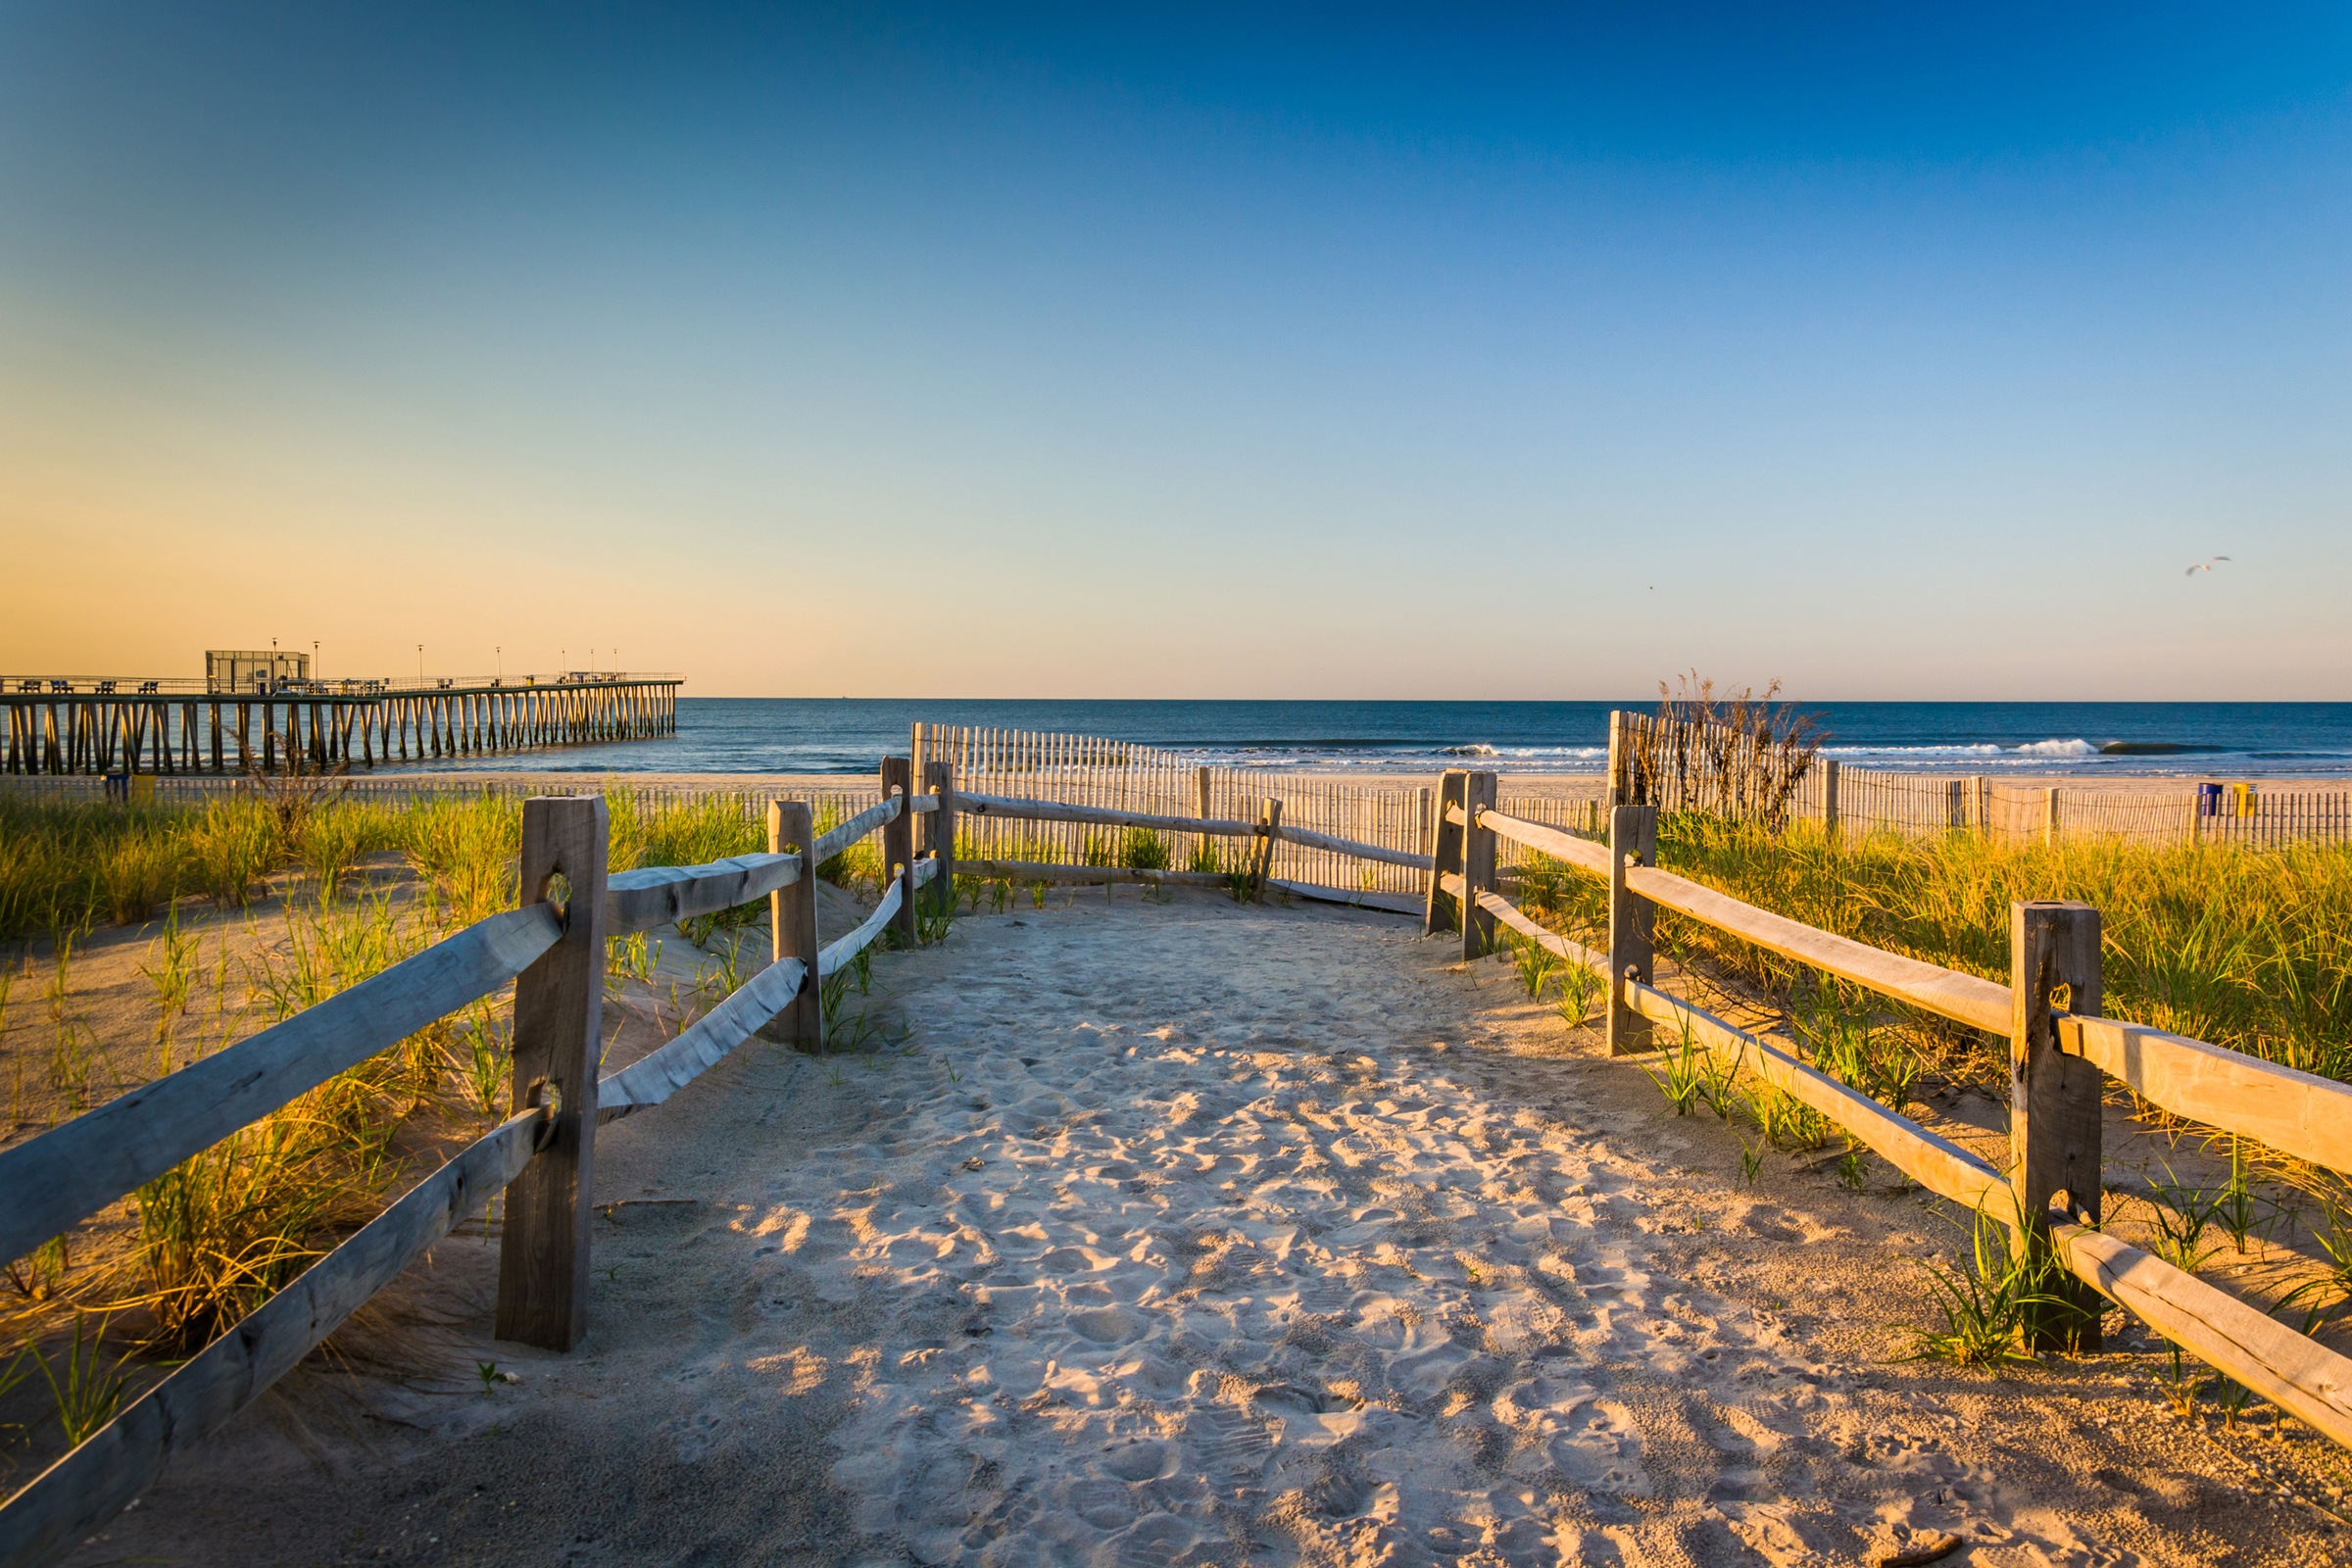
{"points": [[1177, 1232]]}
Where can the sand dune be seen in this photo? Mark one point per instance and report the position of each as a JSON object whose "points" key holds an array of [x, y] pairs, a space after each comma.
{"points": [[1175, 1232]]}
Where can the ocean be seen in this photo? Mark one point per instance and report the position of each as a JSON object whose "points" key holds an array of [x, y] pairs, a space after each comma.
{"points": [[847, 735]]}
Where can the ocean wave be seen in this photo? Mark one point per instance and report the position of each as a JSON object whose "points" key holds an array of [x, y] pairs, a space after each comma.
{"points": [[1963, 749], [1483, 749]]}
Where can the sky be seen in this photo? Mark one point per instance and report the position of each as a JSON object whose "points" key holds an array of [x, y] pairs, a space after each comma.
{"points": [[1887, 352]]}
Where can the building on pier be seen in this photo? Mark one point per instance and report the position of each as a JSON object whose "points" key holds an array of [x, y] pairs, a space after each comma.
{"points": [[265, 711]]}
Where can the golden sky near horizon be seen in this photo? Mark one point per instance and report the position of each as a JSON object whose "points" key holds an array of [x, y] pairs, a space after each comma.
{"points": [[836, 362]]}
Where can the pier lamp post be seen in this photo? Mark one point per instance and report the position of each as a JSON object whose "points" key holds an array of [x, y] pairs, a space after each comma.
{"points": [[501, 653], [421, 663]]}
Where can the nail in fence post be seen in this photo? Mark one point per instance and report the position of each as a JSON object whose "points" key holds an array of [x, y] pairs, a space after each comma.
{"points": [[792, 922], [559, 1030], [939, 827], [1633, 920], [1445, 849], [2055, 1118], [897, 843], [1478, 865]]}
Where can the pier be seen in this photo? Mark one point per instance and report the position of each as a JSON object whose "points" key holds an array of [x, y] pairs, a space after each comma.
{"points": [[106, 724]]}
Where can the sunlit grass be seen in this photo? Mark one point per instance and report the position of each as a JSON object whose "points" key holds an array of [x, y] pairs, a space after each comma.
{"points": [[2248, 949]]}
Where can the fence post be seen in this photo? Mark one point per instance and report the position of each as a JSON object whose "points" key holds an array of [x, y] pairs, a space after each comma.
{"points": [[1829, 799], [1633, 920], [559, 1037], [1617, 759], [1264, 860], [1445, 849], [2050, 814], [897, 844], [1478, 866], [939, 827], [2054, 1116], [792, 925], [1202, 781]]}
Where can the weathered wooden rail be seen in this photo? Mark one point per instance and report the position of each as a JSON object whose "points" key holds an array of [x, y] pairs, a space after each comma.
{"points": [[57, 724], [542, 1156], [2051, 1195]]}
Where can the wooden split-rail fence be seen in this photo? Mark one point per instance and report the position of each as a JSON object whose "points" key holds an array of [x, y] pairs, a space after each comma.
{"points": [[2050, 1196], [542, 1157], [58, 724]]}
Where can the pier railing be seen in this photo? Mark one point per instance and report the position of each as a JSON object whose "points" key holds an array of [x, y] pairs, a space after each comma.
{"points": [[551, 948], [64, 725]]}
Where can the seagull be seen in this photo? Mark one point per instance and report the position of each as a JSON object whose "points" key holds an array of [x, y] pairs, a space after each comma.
{"points": [[2205, 565]]}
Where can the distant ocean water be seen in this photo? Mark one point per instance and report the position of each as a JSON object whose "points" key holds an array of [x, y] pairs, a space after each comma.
{"points": [[847, 735]]}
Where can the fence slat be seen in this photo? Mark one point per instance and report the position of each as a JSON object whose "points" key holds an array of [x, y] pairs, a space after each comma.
{"points": [[1964, 998], [90, 1485], [654, 1078], [73, 1171], [841, 837], [2294, 1112], [662, 895]]}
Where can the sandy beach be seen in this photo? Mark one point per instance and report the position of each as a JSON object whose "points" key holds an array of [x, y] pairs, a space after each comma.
{"points": [[1160, 1231]]}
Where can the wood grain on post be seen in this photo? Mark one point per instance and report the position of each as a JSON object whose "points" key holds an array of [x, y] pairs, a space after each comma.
{"points": [[1478, 865], [559, 1035], [1632, 923], [1446, 852], [792, 926], [1618, 760], [2055, 1100], [898, 841]]}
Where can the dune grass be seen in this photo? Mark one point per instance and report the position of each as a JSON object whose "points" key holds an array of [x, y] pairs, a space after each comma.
{"points": [[213, 1237], [2249, 949]]}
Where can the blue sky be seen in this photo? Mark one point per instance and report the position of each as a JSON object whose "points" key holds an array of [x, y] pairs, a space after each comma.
{"points": [[1892, 353]]}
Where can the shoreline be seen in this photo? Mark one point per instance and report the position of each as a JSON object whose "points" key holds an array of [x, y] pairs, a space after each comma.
{"points": [[1548, 786]]}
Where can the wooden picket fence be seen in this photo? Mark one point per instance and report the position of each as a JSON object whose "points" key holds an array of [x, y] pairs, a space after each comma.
{"points": [[984, 804], [1685, 765]]}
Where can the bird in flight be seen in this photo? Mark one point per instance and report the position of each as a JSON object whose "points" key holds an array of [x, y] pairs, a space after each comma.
{"points": [[2203, 565]]}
